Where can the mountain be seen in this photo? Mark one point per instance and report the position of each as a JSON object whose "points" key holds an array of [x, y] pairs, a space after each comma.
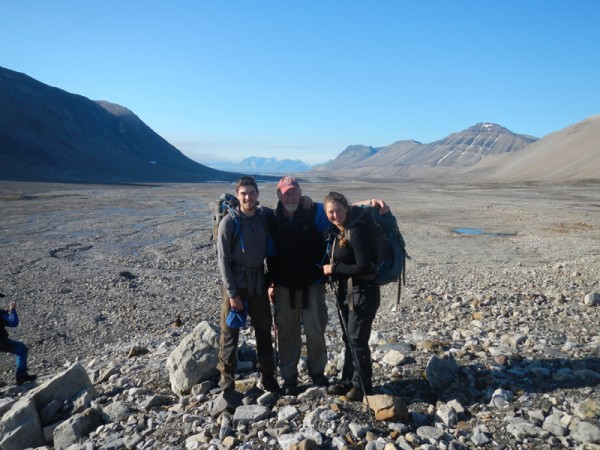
{"points": [[350, 157], [47, 134], [458, 150], [256, 164], [567, 155]]}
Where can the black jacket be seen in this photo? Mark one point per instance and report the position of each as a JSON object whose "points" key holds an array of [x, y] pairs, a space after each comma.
{"points": [[299, 248]]}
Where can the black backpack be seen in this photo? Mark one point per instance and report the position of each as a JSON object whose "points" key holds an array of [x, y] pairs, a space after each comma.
{"points": [[219, 208], [390, 262]]}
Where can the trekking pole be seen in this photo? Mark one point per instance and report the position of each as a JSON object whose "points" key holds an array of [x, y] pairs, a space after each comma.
{"points": [[352, 352], [276, 341]]}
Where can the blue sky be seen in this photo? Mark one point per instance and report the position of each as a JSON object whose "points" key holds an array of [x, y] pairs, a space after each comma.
{"points": [[222, 80]]}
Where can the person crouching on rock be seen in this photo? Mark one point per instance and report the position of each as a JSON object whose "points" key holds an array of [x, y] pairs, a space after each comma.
{"points": [[9, 318]]}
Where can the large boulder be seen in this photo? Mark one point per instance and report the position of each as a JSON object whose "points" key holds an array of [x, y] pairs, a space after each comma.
{"points": [[195, 358], [66, 385], [22, 426]]}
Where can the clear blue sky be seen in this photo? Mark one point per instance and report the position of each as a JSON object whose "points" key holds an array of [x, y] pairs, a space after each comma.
{"points": [[222, 80]]}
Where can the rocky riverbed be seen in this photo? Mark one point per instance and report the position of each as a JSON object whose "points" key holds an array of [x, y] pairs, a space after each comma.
{"points": [[494, 344]]}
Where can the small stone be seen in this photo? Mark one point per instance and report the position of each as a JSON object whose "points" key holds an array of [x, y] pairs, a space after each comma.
{"points": [[587, 409], [137, 350], [592, 299], [394, 358], [479, 438], [427, 432], [501, 398]]}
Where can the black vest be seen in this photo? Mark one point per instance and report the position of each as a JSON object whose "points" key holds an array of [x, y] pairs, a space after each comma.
{"points": [[299, 248]]}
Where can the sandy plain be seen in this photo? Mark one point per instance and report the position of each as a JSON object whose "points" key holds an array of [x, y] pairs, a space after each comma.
{"points": [[99, 265]]}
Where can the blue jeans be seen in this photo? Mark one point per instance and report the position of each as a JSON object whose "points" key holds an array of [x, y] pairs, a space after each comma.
{"points": [[18, 349]]}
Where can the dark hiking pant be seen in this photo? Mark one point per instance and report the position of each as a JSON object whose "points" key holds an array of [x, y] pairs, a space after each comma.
{"points": [[260, 316], [358, 311]]}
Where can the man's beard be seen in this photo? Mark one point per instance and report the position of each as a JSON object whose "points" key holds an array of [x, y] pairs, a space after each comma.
{"points": [[290, 208]]}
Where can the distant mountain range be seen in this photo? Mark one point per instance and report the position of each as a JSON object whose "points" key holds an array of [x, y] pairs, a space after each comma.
{"points": [[256, 164], [458, 150], [47, 134]]}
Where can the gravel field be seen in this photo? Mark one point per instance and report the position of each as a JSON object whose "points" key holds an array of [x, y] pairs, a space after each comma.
{"points": [[96, 269]]}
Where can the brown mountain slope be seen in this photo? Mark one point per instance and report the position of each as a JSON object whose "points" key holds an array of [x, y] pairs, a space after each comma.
{"points": [[47, 134], [570, 154]]}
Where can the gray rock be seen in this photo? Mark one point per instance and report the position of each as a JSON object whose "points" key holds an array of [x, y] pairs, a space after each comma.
{"points": [[115, 411], [201, 388], [592, 299], [359, 430], [522, 429], [155, 401], [226, 401], [312, 418], [267, 399], [21, 426], [287, 440], [64, 386], [501, 398], [584, 432], [247, 414], [587, 409], [6, 404], [430, 433], [394, 358], [50, 413], [76, 427], [441, 372], [479, 437], [287, 413], [447, 414], [195, 358], [377, 444], [553, 424]]}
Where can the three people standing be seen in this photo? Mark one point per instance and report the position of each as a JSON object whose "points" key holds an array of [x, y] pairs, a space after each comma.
{"points": [[297, 273]]}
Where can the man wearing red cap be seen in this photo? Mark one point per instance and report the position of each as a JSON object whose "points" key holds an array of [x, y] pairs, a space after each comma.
{"points": [[298, 289]]}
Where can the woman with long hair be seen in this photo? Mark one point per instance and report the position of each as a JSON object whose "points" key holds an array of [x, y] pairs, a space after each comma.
{"points": [[352, 256]]}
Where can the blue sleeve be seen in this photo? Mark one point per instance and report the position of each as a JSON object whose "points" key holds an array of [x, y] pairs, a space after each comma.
{"points": [[321, 221], [11, 318], [271, 250]]}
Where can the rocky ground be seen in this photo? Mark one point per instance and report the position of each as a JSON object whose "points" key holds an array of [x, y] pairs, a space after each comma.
{"points": [[98, 270]]}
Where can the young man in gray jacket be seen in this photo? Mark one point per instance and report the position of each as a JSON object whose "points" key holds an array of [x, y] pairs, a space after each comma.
{"points": [[241, 250]]}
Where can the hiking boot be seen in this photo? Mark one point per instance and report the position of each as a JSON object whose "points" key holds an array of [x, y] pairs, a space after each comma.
{"points": [[270, 384], [339, 388], [291, 389], [355, 394], [227, 382], [319, 379], [25, 378]]}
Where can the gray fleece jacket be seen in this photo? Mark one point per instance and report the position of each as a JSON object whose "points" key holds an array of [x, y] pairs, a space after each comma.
{"points": [[241, 252]]}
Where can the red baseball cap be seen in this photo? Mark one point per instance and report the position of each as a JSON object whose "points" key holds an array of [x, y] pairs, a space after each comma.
{"points": [[286, 183]]}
